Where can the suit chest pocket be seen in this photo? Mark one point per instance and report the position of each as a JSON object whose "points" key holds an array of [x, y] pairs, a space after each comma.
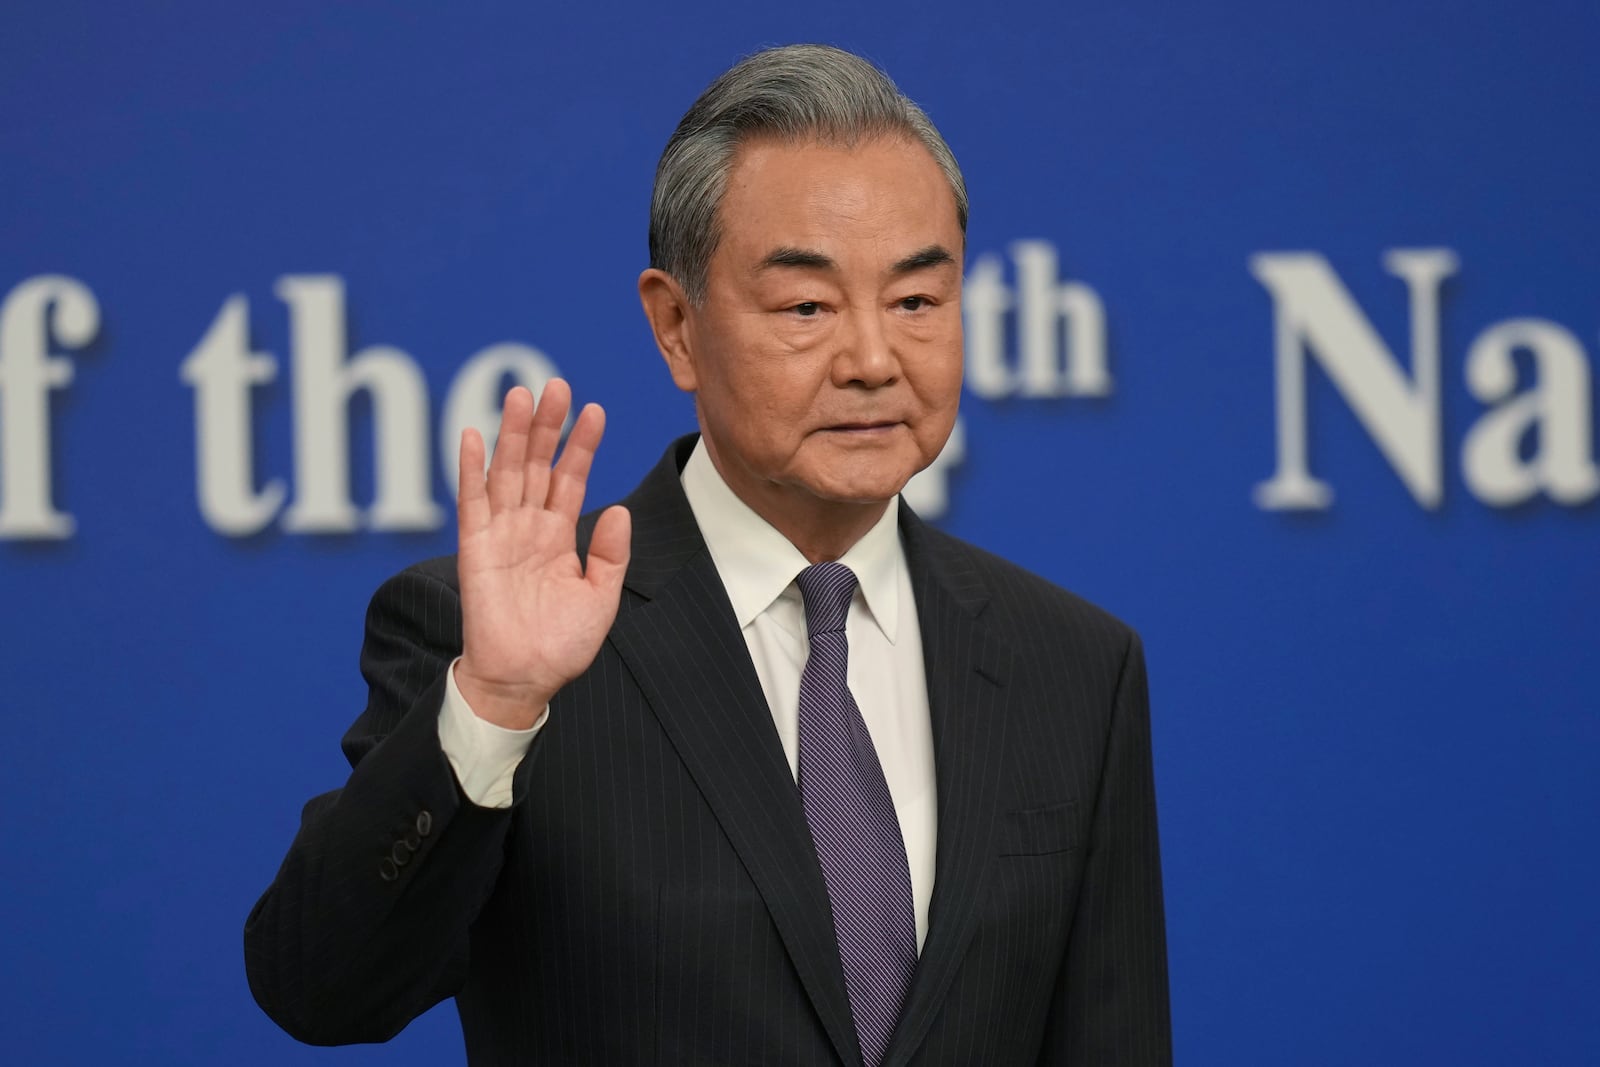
{"points": [[1039, 831]]}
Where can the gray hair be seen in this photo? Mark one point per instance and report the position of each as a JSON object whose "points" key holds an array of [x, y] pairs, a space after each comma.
{"points": [[793, 93]]}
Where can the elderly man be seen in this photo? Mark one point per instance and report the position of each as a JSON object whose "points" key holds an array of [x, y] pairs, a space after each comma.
{"points": [[755, 768]]}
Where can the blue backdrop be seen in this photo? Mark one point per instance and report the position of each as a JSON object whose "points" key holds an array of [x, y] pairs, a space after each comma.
{"points": [[1374, 679]]}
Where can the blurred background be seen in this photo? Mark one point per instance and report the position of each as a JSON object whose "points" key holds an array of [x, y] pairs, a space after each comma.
{"points": [[1282, 324]]}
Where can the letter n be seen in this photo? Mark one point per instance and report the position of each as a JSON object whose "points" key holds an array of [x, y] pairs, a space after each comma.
{"points": [[1316, 318]]}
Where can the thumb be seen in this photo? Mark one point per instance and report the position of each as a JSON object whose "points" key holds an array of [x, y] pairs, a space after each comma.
{"points": [[609, 549]]}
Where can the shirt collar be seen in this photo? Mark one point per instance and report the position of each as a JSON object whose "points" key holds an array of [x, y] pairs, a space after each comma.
{"points": [[758, 564]]}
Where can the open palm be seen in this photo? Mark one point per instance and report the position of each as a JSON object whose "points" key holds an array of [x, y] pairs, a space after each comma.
{"points": [[533, 616]]}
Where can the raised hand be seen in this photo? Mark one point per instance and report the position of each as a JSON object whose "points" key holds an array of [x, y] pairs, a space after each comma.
{"points": [[533, 618]]}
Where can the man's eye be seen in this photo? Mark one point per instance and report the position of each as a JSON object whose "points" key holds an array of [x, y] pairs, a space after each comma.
{"points": [[807, 308], [914, 303]]}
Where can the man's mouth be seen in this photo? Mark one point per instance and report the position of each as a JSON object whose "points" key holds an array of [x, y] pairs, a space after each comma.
{"points": [[862, 427]]}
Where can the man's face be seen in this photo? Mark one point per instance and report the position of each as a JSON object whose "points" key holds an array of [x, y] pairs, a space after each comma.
{"points": [[826, 357]]}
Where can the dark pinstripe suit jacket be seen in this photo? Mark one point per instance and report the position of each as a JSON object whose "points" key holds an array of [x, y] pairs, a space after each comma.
{"points": [[652, 895]]}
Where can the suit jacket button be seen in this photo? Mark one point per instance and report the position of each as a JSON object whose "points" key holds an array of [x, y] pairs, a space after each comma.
{"points": [[424, 823], [413, 841], [399, 855], [387, 870]]}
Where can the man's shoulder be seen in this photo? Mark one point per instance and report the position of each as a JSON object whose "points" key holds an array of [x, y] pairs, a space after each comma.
{"points": [[1027, 606], [437, 571]]}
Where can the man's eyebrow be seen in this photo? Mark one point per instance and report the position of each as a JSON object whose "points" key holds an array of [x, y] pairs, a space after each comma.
{"points": [[810, 259], [932, 256], [789, 256]]}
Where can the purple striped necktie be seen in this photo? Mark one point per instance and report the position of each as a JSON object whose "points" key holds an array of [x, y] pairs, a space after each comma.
{"points": [[852, 820]]}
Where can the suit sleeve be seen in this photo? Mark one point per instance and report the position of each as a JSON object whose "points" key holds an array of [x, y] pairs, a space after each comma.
{"points": [[1110, 1000], [366, 924]]}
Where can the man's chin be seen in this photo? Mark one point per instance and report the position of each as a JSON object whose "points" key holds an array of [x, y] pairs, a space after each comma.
{"points": [[860, 491]]}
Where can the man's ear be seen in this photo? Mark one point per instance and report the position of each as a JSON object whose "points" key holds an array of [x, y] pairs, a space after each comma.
{"points": [[668, 310]]}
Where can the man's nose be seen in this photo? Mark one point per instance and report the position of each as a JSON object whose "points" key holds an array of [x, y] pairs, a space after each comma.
{"points": [[866, 354]]}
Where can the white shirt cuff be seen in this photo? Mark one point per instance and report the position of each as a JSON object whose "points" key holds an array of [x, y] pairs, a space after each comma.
{"points": [[483, 755]]}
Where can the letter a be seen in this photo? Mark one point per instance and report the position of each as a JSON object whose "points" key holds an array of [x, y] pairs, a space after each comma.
{"points": [[1558, 406]]}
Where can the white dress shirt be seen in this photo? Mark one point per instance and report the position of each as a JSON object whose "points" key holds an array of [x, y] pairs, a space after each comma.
{"points": [[758, 566]]}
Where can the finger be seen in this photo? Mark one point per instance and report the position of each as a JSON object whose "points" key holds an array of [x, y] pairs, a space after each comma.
{"points": [[609, 550], [569, 481], [548, 418], [505, 469], [472, 502]]}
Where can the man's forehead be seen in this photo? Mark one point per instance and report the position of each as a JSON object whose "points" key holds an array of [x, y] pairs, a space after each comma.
{"points": [[797, 204]]}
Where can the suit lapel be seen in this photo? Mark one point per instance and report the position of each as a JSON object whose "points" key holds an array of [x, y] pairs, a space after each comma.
{"points": [[967, 670], [683, 645]]}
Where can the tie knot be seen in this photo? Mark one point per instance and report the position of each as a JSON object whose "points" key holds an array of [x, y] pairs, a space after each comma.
{"points": [[827, 589]]}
